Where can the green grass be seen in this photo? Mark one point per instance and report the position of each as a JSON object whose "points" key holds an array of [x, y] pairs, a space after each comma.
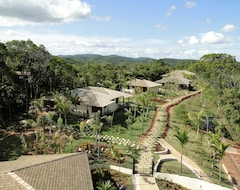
{"points": [[119, 129], [197, 148], [173, 167]]}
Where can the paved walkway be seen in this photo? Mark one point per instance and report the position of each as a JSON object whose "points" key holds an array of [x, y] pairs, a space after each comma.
{"points": [[144, 166]]}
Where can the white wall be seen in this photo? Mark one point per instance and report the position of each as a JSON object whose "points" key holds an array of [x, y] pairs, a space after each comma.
{"points": [[190, 183], [83, 108], [111, 108]]}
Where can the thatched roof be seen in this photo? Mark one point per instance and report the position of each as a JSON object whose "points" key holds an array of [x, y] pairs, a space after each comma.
{"points": [[178, 72], [174, 80], [98, 96], [143, 83], [176, 77]]}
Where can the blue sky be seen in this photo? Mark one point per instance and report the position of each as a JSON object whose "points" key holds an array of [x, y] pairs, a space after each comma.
{"points": [[154, 28]]}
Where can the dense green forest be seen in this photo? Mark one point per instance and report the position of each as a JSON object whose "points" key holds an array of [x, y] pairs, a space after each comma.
{"points": [[115, 59], [29, 71]]}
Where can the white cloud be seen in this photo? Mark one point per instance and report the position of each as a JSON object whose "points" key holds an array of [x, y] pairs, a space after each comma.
{"points": [[212, 38], [181, 43], [228, 28], [64, 44], [68, 44], [205, 38], [190, 4], [193, 40], [160, 26], [20, 12], [170, 10]]}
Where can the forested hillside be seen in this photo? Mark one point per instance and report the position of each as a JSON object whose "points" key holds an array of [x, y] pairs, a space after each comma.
{"points": [[114, 59], [29, 71]]}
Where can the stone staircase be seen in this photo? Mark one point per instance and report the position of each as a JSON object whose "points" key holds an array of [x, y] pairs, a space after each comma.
{"points": [[147, 146]]}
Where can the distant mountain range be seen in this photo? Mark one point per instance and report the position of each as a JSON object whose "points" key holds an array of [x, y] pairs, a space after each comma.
{"points": [[115, 59]]}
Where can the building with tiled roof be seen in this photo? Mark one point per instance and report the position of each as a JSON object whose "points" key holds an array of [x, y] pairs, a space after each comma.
{"points": [[47, 172]]}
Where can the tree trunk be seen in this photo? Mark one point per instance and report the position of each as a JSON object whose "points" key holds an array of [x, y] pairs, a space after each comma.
{"points": [[220, 171], [181, 159]]}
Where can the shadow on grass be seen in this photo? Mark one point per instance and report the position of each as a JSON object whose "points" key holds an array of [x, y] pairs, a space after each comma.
{"points": [[173, 167], [10, 148]]}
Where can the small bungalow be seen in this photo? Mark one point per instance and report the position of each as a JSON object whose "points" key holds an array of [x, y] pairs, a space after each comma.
{"points": [[52, 172], [142, 85], [93, 99], [179, 77]]}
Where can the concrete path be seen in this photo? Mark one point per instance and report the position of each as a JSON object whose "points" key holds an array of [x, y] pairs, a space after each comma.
{"points": [[144, 182]]}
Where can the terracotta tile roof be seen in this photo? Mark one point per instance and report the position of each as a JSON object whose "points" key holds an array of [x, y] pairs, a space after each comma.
{"points": [[51, 172]]}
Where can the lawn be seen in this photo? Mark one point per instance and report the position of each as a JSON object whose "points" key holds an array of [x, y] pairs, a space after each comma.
{"points": [[197, 148], [117, 132], [173, 167]]}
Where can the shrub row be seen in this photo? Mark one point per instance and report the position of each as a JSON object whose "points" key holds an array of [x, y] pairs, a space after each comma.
{"points": [[168, 111]]}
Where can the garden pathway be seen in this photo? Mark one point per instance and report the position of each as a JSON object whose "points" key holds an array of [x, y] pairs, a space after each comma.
{"points": [[144, 166], [147, 144]]}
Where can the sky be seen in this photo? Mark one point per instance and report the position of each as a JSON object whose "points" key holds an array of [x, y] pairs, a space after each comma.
{"points": [[134, 28]]}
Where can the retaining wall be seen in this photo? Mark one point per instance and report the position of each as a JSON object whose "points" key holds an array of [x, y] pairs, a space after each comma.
{"points": [[188, 182]]}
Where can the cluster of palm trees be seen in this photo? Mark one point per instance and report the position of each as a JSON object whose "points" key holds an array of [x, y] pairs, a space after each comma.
{"points": [[216, 143], [218, 150], [42, 118]]}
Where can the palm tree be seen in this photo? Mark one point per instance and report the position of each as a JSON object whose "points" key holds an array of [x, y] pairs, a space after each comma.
{"points": [[96, 127], [221, 148], [73, 98], [50, 120], [42, 121], [213, 140], [148, 95], [109, 120], [182, 138], [63, 107], [60, 123], [39, 105], [82, 126], [196, 119]]}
